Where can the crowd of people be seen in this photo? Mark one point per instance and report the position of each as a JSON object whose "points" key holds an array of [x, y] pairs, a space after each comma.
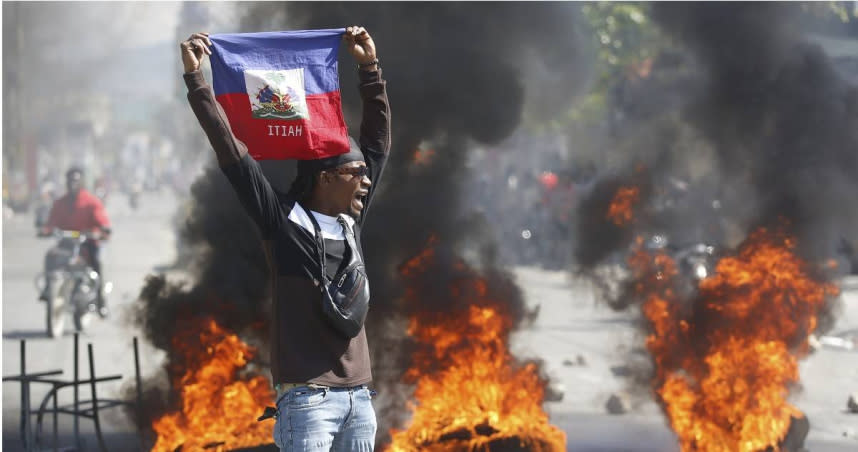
{"points": [[528, 191], [141, 164]]}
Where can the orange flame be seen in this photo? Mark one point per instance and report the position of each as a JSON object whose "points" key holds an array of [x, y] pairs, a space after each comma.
{"points": [[470, 394], [620, 212], [725, 362], [423, 156], [219, 409]]}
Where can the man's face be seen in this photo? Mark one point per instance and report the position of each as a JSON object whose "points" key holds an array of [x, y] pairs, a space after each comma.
{"points": [[73, 182], [346, 188]]}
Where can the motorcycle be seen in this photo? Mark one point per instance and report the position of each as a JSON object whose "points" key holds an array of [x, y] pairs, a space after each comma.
{"points": [[74, 284], [695, 261]]}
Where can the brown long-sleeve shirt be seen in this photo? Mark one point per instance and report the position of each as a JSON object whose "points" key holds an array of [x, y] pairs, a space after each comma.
{"points": [[304, 347]]}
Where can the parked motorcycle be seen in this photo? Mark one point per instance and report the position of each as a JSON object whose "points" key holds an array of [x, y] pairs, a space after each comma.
{"points": [[73, 289]]}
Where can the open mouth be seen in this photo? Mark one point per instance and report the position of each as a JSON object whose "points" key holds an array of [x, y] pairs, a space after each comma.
{"points": [[359, 199]]}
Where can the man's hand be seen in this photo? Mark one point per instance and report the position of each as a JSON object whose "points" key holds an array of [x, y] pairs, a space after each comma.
{"points": [[193, 50], [361, 46], [101, 233]]}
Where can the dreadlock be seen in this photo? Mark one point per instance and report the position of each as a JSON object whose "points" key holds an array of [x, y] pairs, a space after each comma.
{"points": [[302, 186]]}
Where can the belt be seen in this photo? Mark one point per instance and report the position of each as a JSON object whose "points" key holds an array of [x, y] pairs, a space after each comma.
{"points": [[283, 388]]}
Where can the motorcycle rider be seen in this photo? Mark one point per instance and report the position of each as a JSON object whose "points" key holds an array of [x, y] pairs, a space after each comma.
{"points": [[80, 210]]}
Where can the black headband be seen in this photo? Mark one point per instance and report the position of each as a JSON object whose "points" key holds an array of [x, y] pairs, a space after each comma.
{"points": [[316, 165]]}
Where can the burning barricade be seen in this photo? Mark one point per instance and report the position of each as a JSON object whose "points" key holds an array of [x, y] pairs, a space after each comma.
{"points": [[725, 361], [471, 394], [724, 356], [219, 403]]}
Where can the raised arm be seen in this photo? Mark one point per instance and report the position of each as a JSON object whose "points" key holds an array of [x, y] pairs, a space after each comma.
{"points": [[375, 123], [243, 172], [211, 116]]}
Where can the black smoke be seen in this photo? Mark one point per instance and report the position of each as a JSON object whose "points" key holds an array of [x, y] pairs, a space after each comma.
{"points": [[220, 272], [459, 74], [765, 112], [763, 133], [775, 107]]}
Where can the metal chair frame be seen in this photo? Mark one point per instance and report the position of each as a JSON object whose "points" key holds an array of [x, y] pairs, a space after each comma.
{"points": [[88, 409]]}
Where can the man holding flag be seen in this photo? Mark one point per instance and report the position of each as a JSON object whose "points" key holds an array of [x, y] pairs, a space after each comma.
{"points": [[276, 96]]}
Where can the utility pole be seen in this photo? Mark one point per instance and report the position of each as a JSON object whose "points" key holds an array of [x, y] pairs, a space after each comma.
{"points": [[18, 138]]}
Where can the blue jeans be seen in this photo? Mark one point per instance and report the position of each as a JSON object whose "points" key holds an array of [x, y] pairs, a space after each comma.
{"points": [[332, 419]]}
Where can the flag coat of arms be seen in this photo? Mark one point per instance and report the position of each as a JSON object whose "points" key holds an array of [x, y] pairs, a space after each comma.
{"points": [[281, 92]]}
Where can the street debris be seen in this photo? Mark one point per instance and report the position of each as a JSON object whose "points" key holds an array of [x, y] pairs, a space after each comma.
{"points": [[554, 392], [618, 403], [852, 403], [579, 361]]}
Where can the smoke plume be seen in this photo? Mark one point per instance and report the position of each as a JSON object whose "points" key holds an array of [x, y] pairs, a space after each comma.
{"points": [[775, 107], [766, 120]]}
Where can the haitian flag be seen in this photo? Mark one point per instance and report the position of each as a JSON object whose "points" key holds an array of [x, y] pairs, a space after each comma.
{"points": [[281, 92]]}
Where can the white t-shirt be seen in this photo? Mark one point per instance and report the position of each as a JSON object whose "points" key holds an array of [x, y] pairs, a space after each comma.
{"points": [[331, 229]]}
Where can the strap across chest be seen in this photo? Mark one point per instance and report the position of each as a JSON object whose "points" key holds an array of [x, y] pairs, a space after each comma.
{"points": [[351, 252]]}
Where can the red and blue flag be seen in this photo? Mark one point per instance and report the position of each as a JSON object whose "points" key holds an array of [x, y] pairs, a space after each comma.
{"points": [[281, 92]]}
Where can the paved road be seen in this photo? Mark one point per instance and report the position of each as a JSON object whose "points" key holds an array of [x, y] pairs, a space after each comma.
{"points": [[570, 324]]}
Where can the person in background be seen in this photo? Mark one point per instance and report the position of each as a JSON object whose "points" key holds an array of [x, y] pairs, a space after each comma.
{"points": [[80, 210]]}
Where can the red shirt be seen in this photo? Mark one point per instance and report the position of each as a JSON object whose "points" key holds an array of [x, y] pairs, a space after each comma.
{"points": [[85, 212]]}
